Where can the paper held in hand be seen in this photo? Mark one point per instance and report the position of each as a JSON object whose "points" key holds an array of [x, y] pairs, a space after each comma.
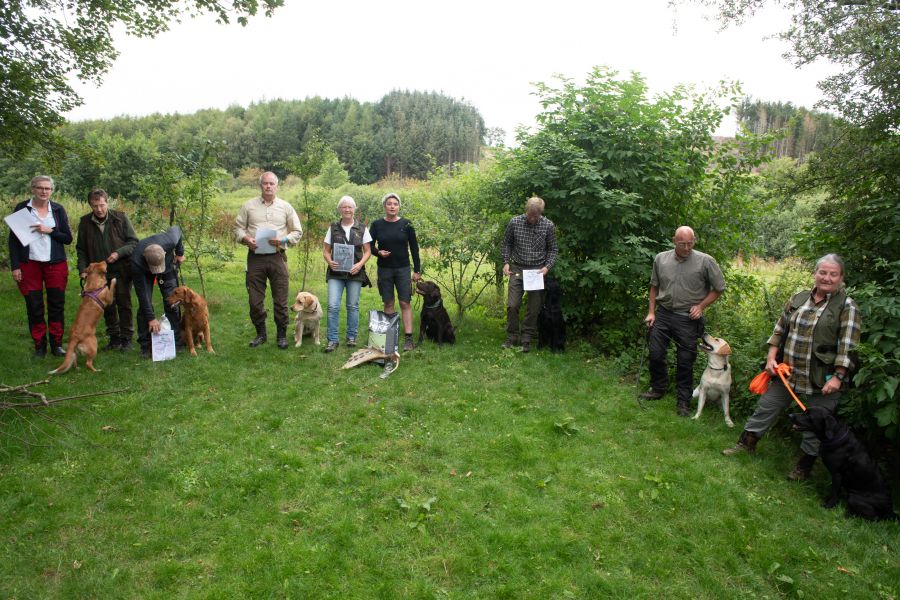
{"points": [[263, 236], [20, 222], [532, 280], [163, 342], [342, 254], [163, 345]]}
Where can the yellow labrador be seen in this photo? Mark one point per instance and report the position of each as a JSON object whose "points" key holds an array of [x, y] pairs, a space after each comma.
{"points": [[716, 379], [309, 313]]}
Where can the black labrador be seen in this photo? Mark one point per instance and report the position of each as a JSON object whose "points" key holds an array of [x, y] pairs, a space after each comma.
{"points": [[434, 322], [551, 325], [850, 466]]}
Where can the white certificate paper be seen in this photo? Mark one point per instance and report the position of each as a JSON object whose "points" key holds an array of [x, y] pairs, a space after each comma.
{"points": [[263, 236], [532, 279], [20, 222], [163, 345]]}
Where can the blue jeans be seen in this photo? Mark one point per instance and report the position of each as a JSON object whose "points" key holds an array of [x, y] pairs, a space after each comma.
{"points": [[335, 291]]}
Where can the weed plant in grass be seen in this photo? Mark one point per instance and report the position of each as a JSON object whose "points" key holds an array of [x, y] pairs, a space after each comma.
{"points": [[470, 472]]}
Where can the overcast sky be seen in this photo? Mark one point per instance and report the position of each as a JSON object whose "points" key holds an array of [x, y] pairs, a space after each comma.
{"points": [[487, 52]]}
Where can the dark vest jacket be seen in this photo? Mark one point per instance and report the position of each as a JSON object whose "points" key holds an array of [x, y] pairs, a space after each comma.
{"points": [[825, 335], [357, 231]]}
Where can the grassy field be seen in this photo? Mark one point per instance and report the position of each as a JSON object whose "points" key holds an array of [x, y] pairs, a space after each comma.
{"points": [[471, 472]]}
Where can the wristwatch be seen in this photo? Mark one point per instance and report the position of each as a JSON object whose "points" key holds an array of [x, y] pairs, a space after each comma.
{"points": [[840, 376]]}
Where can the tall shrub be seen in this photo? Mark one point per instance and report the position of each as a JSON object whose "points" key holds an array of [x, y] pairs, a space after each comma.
{"points": [[620, 171]]}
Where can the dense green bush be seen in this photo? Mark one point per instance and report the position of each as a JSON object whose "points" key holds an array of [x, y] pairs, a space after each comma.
{"points": [[620, 171]]}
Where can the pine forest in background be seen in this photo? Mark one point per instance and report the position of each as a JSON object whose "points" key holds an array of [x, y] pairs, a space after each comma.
{"points": [[405, 134]]}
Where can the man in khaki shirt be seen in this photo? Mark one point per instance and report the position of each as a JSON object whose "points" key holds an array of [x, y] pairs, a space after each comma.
{"points": [[684, 282], [268, 212]]}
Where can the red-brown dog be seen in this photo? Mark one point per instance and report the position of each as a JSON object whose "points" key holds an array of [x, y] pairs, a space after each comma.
{"points": [[83, 335], [194, 318]]}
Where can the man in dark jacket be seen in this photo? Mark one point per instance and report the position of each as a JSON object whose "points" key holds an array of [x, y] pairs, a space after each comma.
{"points": [[107, 235], [156, 258]]}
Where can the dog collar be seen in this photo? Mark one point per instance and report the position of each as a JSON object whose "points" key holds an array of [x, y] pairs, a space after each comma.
{"points": [[725, 368], [95, 296], [437, 304]]}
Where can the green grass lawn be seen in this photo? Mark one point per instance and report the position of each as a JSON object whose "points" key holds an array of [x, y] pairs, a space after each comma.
{"points": [[470, 472]]}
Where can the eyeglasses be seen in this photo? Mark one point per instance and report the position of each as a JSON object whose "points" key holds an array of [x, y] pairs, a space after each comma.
{"points": [[42, 189], [684, 244]]}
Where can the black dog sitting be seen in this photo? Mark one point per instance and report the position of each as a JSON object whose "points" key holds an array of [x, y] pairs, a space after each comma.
{"points": [[551, 325], [850, 466], [435, 322]]}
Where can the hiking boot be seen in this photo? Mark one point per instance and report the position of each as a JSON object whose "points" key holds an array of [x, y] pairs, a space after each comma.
{"points": [[146, 354], [408, 344], [803, 468], [58, 350], [40, 351], [281, 338], [350, 342], [331, 347], [526, 347], [746, 443], [652, 394], [683, 408], [509, 343], [114, 344], [124, 345], [258, 340]]}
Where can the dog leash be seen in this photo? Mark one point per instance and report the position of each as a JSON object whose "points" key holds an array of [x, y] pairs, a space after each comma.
{"points": [[782, 370]]}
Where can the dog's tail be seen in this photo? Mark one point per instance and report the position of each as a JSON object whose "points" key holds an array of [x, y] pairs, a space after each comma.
{"points": [[71, 359]]}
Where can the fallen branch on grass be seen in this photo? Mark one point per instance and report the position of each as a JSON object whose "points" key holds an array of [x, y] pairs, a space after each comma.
{"points": [[22, 391]]}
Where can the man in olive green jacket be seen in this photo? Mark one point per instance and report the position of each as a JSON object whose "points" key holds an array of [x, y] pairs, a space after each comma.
{"points": [[107, 235]]}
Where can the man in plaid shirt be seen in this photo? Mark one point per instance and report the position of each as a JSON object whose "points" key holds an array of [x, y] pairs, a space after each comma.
{"points": [[529, 243], [822, 328]]}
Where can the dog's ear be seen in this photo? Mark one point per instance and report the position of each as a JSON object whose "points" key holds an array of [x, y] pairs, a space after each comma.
{"points": [[724, 349]]}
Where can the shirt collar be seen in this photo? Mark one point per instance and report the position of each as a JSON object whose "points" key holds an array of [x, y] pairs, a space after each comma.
{"points": [[812, 295], [30, 204]]}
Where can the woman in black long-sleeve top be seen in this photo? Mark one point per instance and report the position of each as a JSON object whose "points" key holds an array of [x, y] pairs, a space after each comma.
{"points": [[394, 239]]}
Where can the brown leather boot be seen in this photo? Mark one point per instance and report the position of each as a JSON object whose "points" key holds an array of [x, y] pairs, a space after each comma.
{"points": [[803, 469], [746, 443]]}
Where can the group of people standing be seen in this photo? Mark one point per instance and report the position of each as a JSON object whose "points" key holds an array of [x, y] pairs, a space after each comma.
{"points": [[41, 268], [392, 237], [815, 336]]}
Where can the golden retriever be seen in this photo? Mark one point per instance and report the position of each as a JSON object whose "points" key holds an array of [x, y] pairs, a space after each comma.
{"points": [[194, 318], [83, 335], [309, 313]]}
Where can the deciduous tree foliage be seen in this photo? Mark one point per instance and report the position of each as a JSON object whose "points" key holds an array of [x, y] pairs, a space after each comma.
{"points": [[619, 172], [45, 42]]}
